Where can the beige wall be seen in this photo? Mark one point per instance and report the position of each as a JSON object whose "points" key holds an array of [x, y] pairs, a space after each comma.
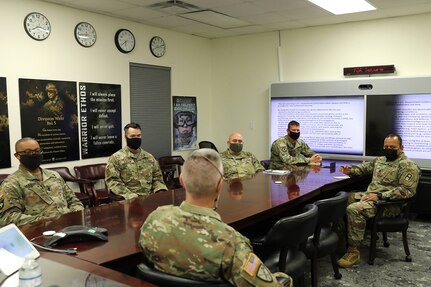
{"points": [[230, 76]]}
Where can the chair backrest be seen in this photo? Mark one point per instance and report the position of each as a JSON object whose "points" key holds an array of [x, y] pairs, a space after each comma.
{"points": [[332, 209], [172, 160], [265, 163], [169, 165], [293, 230], [150, 274], [91, 171], [207, 144], [3, 177], [64, 173]]}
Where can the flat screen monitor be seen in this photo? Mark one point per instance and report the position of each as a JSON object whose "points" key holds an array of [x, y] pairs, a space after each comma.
{"points": [[329, 124]]}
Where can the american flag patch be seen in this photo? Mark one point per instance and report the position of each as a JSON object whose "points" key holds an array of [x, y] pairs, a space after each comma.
{"points": [[252, 264]]}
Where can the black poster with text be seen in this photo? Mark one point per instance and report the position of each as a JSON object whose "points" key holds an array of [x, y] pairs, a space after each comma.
{"points": [[100, 119], [49, 115], [4, 126]]}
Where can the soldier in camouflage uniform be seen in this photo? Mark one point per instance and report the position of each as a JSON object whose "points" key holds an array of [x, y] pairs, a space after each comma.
{"points": [[32, 193], [236, 162], [191, 241], [394, 177], [131, 171], [292, 150]]}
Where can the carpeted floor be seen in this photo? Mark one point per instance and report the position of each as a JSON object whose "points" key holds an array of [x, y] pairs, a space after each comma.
{"points": [[390, 268]]}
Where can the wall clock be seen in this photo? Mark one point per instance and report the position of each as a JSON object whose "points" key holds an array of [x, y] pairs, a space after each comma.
{"points": [[157, 46], [85, 34], [124, 40], [37, 26]]}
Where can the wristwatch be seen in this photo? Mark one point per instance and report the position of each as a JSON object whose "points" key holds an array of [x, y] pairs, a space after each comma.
{"points": [[379, 195]]}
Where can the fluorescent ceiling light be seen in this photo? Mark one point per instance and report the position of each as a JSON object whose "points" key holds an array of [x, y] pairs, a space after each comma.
{"points": [[339, 7]]}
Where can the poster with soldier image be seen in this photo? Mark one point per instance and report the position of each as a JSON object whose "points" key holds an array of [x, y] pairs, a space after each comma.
{"points": [[185, 123], [49, 114], [4, 126], [100, 119]]}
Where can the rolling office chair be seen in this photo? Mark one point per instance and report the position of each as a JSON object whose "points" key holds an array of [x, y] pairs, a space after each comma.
{"points": [[280, 249], [383, 224], [207, 144], [324, 240]]}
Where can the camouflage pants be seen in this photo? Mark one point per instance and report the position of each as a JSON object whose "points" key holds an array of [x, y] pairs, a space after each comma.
{"points": [[358, 212]]}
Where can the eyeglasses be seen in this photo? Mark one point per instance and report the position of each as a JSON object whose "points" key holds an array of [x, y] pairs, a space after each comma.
{"points": [[29, 152]]}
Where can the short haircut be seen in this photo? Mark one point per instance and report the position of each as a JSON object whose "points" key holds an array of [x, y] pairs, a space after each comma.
{"points": [[26, 139], [201, 173], [292, 123], [133, 126], [400, 140]]}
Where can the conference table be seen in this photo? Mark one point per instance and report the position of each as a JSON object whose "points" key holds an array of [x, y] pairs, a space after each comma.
{"points": [[243, 203]]}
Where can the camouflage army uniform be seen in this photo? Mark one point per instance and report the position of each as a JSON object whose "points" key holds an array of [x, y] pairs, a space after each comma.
{"points": [[192, 242], [25, 199], [284, 153], [240, 165], [394, 180], [130, 175]]}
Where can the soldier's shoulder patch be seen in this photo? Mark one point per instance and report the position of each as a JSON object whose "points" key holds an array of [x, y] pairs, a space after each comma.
{"points": [[252, 264], [264, 274], [284, 148], [408, 177]]}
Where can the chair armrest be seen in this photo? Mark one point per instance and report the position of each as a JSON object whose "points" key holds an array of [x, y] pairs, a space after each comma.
{"points": [[115, 197], [83, 181]]}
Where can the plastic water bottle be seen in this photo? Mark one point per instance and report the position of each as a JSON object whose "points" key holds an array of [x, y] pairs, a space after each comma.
{"points": [[30, 274]]}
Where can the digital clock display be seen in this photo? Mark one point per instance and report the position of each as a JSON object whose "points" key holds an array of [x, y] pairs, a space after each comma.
{"points": [[352, 71]]}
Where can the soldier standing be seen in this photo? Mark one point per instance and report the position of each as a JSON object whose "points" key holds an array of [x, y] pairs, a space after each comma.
{"points": [[394, 177], [131, 171]]}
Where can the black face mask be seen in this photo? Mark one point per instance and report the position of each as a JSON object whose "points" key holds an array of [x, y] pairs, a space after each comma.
{"points": [[134, 143], [294, 136], [390, 154], [31, 161]]}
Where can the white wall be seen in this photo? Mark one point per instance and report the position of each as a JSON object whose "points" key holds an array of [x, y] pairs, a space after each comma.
{"points": [[229, 76], [61, 58], [245, 66]]}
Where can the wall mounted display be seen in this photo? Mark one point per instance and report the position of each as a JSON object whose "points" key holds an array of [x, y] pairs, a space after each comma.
{"points": [[100, 119], [157, 46], [4, 126], [185, 123], [49, 114], [124, 41], [37, 26], [85, 34]]}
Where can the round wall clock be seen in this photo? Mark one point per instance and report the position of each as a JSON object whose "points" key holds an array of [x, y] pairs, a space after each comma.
{"points": [[157, 46], [124, 40], [85, 34], [37, 26]]}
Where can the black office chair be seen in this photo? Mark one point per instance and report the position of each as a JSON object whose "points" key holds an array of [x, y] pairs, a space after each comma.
{"points": [[325, 239], [148, 273], [383, 224], [280, 249], [265, 163], [207, 144], [3, 177], [169, 165]]}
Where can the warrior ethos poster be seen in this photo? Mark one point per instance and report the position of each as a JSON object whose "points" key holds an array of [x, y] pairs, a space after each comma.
{"points": [[4, 126]]}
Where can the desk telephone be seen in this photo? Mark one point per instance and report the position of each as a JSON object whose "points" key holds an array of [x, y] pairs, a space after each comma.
{"points": [[77, 233]]}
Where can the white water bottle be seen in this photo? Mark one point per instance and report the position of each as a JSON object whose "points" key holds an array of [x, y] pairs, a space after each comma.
{"points": [[30, 274]]}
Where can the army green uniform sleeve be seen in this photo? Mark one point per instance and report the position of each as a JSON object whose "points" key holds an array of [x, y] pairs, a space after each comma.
{"points": [[280, 156], [158, 182], [12, 206], [114, 181], [257, 165], [241, 267], [365, 168], [408, 176], [73, 202], [306, 150]]}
